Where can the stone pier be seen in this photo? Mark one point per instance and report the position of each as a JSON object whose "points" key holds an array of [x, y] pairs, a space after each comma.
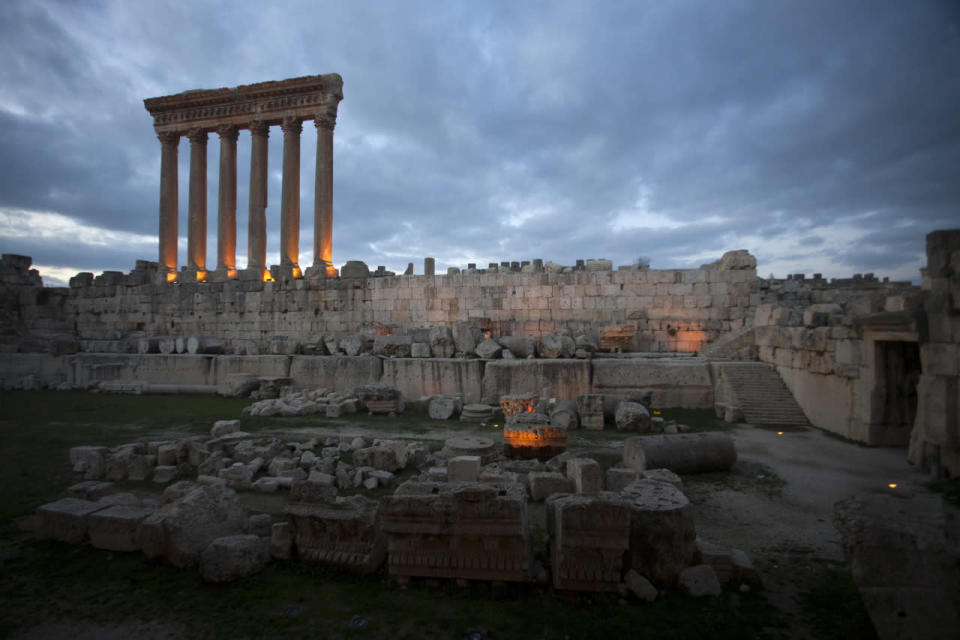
{"points": [[257, 107]]}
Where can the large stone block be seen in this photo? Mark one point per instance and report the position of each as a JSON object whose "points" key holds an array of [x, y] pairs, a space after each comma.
{"points": [[586, 474], [566, 379], [543, 484], [115, 528], [233, 557], [343, 533], [417, 377], [67, 519], [662, 533], [589, 535], [335, 373], [673, 384]]}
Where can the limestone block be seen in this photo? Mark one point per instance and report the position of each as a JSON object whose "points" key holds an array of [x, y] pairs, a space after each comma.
{"points": [[115, 528], [281, 541], [312, 491], [444, 407], [336, 373], [565, 378], [343, 533], [463, 469], [442, 344], [565, 415], [662, 533], [383, 458], [233, 557], [699, 581], [590, 408], [616, 479], [167, 454], [663, 475], [420, 350], [67, 519], [90, 461], [589, 535], [466, 335], [393, 346], [586, 474], [415, 378], [163, 474], [91, 489], [266, 485], [189, 519], [223, 427], [521, 347], [640, 587], [632, 416], [489, 348], [718, 557], [556, 346]]}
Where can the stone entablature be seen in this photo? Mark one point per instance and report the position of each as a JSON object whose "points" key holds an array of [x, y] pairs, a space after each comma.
{"points": [[255, 107], [305, 98]]}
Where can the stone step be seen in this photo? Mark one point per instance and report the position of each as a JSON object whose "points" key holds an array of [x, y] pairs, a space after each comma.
{"points": [[761, 394]]}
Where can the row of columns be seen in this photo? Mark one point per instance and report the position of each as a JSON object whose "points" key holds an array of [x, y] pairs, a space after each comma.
{"points": [[196, 269]]}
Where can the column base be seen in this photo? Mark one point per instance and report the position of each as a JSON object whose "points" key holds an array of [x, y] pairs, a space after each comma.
{"points": [[321, 270], [286, 272], [260, 274], [165, 276], [193, 274], [222, 274]]}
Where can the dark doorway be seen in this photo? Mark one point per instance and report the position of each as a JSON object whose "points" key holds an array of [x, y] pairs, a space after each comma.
{"points": [[898, 371]]}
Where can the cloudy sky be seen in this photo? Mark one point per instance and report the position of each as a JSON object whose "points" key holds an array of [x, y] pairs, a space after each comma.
{"points": [[822, 136]]}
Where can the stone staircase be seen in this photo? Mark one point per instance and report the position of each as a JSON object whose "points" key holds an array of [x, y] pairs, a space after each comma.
{"points": [[762, 396], [736, 345]]}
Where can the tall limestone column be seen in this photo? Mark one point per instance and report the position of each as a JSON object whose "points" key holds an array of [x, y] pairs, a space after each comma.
{"points": [[257, 217], [169, 142], [290, 199], [227, 204], [197, 218], [323, 198]]}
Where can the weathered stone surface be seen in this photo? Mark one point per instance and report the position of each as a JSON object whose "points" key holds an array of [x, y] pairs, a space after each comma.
{"points": [[632, 416], [353, 345], [233, 557], [417, 378], [489, 348], [115, 528], [223, 427], [354, 269], [662, 533], [699, 581], [588, 537], [565, 415], [904, 553], [393, 346], [556, 346], [420, 350], [520, 346], [463, 469], [565, 378], [343, 533], [281, 541], [663, 475], [586, 475], [681, 453], [67, 519], [90, 461], [640, 587], [543, 484], [383, 458], [183, 526], [260, 524], [91, 489], [470, 531], [616, 479], [590, 409], [466, 335], [444, 407], [442, 344]]}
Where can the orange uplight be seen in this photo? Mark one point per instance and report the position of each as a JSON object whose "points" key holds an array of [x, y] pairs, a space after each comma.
{"points": [[892, 485], [231, 274], [267, 277], [779, 433], [486, 334], [171, 276], [296, 273], [201, 276]]}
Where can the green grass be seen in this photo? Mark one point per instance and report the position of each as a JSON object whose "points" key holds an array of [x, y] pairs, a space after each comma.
{"points": [[43, 581], [834, 608]]}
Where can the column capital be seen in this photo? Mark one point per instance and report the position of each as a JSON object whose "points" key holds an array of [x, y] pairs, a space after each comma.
{"points": [[197, 135], [291, 124], [169, 138], [259, 128], [325, 121], [228, 132]]}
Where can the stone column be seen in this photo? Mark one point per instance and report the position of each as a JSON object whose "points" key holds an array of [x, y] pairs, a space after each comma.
{"points": [[257, 216], [169, 142], [227, 203], [323, 198], [290, 198], [197, 218]]}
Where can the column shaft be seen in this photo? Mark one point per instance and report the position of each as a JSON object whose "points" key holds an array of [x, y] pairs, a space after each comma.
{"points": [[323, 196], [168, 203], [227, 200], [290, 194], [197, 220], [257, 219]]}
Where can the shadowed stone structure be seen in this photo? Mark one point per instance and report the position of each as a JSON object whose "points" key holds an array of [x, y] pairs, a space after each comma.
{"points": [[225, 111]]}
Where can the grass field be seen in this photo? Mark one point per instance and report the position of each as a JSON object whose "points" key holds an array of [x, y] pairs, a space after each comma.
{"points": [[43, 581]]}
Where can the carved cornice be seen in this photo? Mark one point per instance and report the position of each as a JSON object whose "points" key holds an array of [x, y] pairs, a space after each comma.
{"points": [[303, 98], [228, 132]]}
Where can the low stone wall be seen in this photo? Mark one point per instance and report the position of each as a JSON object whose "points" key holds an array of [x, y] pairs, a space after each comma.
{"points": [[674, 382]]}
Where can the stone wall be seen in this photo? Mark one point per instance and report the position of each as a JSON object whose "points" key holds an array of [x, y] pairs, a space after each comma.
{"points": [[669, 310]]}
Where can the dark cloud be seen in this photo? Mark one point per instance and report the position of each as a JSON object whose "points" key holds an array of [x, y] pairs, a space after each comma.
{"points": [[817, 134]]}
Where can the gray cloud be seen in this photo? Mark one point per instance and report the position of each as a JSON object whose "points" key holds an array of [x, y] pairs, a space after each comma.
{"points": [[821, 136]]}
